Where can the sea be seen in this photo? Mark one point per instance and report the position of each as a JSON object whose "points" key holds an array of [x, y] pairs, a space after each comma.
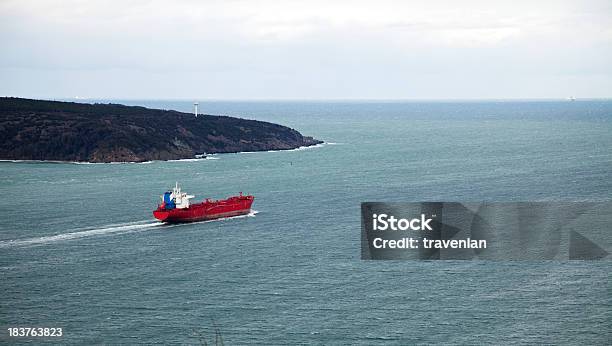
{"points": [[80, 250]]}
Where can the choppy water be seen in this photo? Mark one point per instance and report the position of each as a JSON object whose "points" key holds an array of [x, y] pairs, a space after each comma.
{"points": [[79, 248]]}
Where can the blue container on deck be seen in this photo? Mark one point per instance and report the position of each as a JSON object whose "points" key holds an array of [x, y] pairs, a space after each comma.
{"points": [[169, 203]]}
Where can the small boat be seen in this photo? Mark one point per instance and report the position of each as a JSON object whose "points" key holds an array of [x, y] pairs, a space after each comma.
{"points": [[176, 207]]}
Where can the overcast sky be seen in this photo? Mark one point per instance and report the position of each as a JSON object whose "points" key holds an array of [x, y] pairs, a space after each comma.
{"points": [[138, 49]]}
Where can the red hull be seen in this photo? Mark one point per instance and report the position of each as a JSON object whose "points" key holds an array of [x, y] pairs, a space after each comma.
{"points": [[207, 210]]}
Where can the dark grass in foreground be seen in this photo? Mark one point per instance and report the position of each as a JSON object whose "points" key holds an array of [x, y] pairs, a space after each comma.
{"points": [[218, 339]]}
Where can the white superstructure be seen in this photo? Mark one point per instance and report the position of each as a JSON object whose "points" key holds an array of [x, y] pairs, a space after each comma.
{"points": [[181, 199]]}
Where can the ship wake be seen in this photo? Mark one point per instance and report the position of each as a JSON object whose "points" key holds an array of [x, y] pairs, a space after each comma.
{"points": [[77, 234], [121, 228], [251, 214]]}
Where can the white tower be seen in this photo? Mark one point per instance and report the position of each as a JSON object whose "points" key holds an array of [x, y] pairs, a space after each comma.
{"points": [[195, 109]]}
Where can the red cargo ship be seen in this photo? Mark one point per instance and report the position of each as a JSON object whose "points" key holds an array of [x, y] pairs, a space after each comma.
{"points": [[175, 207]]}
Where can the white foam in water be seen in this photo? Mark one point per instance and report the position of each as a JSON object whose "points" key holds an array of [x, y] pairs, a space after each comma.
{"points": [[187, 160], [109, 229], [108, 163], [251, 214], [320, 145], [195, 159], [34, 161]]}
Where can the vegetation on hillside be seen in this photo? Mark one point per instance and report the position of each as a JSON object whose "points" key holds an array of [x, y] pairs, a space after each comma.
{"points": [[68, 131]]}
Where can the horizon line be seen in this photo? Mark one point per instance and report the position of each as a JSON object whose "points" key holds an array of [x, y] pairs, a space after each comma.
{"points": [[196, 99]]}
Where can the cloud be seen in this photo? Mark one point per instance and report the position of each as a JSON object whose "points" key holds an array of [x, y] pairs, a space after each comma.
{"points": [[380, 45]]}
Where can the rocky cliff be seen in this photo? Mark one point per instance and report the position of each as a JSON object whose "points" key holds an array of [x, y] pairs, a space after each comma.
{"points": [[68, 131]]}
